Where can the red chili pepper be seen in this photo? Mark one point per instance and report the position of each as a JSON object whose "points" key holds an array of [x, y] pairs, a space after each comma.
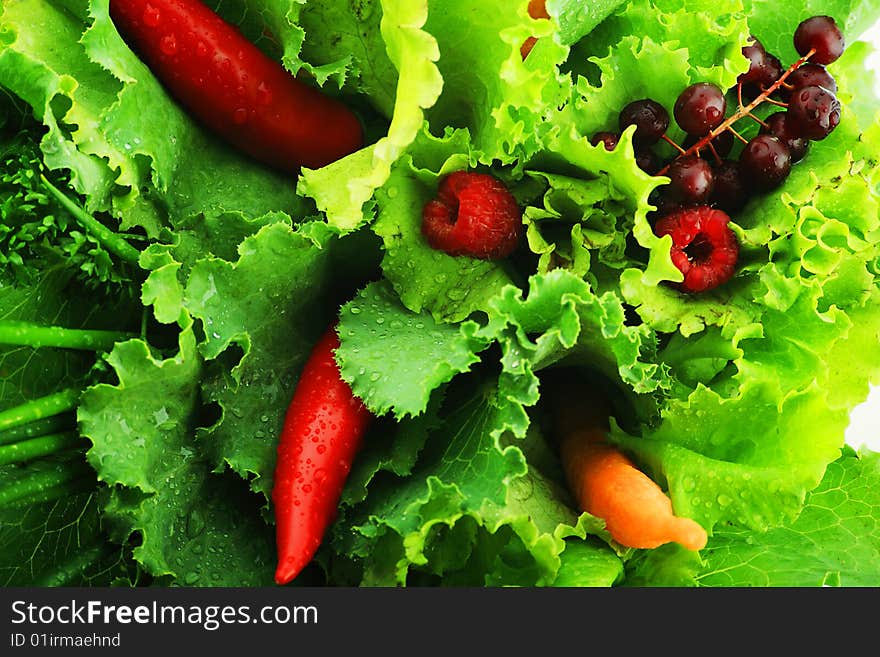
{"points": [[322, 432], [230, 86]]}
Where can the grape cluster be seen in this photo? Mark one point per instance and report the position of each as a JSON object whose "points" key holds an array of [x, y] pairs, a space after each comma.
{"points": [[706, 170]]}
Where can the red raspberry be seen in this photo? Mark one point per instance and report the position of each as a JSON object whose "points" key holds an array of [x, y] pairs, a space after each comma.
{"points": [[473, 215], [703, 246]]}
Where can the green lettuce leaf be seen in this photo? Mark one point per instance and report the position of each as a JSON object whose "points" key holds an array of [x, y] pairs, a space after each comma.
{"points": [[835, 541], [413, 51], [712, 32], [577, 19], [458, 516], [484, 491], [426, 354], [487, 87], [196, 528], [60, 543]]}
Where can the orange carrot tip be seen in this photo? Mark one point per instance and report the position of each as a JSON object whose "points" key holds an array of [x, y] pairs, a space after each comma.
{"points": [[636, 511]]}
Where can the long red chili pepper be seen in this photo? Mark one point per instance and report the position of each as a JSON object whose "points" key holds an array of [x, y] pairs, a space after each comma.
{"points": [[231, 87], [322, 432]]}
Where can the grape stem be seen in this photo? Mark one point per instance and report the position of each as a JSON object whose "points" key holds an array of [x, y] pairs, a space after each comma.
{"points": [[672, 143], [741, 112]]}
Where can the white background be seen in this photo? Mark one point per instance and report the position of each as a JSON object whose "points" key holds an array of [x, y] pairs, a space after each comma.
{"points": [[864, 429]]}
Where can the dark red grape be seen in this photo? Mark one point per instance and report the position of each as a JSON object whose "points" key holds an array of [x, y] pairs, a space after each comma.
{"points": [[700, 108], [649, 117], [648, 161], [813, 112], [777, 125], [812, 75], [819, 33], [722, 144], [764, 68], [609, 139], [664, 204], [765, 162], [691, 180], [729, 191]]}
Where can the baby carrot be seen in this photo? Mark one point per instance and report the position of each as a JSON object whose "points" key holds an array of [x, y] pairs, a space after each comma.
{"points": [[608, 485]]}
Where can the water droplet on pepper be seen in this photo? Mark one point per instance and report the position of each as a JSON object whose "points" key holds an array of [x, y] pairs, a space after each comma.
{"points": [[168, 45], [151, 16]]}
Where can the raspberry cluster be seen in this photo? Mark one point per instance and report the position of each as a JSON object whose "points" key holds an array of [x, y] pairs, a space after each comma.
{"points": [[703, 174]]}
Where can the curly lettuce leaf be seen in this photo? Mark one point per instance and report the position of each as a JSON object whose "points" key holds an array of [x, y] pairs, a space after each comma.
{"points": [[628, 202], [459, 516], [50, 80], [487, 87], [346, 35], [484, 491], [583, 565], [835, 541], [427, 354], [413, 51], [711, 31], [595, 205], [576, 19], [197, 528]]}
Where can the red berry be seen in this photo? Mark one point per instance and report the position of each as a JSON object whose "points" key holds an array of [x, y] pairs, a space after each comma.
{"points": [[777, 125], [473, 215], [730, 192], [812, 75], [648, 116], [648, 161], [700, 108], [813, 113], [690, 180], [821, 35], [704, 248], [764, 68], [765, 162], [609, 139]]}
